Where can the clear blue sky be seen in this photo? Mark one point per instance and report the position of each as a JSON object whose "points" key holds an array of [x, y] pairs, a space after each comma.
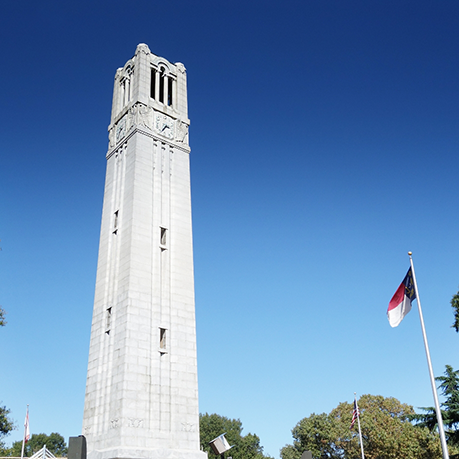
{"points": [[325, 138]]}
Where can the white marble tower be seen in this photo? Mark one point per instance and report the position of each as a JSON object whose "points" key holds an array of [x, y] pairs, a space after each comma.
{"points": [[142, 391]]}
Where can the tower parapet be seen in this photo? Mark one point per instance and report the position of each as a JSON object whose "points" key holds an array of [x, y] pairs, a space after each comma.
{"points": [[150, 94]]}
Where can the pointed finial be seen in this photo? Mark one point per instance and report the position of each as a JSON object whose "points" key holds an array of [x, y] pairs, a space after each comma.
{"points": [[142, 47]]}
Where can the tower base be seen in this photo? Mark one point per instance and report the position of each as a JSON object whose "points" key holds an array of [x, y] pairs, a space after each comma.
{"points": [[160, 453]]}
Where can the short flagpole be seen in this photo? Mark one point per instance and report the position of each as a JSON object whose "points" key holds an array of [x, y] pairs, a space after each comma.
{"points": [[441, 430], [358, 423], [25, 432]]}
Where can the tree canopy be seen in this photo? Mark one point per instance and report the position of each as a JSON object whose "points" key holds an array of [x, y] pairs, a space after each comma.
{"points": [[386, 431], [455, 306], [6, 424], [244, 447], [54, 442], [449, 388]]}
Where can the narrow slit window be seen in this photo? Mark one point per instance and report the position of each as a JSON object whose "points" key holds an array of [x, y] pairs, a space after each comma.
{"points": [[153, 83], [161, 86], [169, 91], [163, 237], [108, 320], [115, 222], [125, 91], [162, 338]]}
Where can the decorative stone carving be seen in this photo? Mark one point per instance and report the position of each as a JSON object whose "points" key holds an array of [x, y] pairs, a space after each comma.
{"points": [[180, 67], [115, 423], [131, 118], [182, 132], [119, 73], [111, 137], [188, 427], [133, 422], [140, 115], [145, 117], [142, 48]]}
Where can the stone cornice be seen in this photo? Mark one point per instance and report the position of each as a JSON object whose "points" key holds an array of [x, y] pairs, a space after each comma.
{"points": [[139, 130]]}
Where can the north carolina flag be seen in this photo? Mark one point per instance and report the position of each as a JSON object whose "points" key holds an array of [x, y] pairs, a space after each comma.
{"points": [[400, 304], [26, 427]]}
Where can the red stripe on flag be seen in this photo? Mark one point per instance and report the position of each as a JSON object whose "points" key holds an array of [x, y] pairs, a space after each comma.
{"points": [[397, 298]]}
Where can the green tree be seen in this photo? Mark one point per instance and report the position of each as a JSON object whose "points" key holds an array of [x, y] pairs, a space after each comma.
{"points": [[15, 450], [386, 431], [54, 442], [2, 317], [6, 425], [449, 388], [317, 433], [455, 306], [244, 447]]}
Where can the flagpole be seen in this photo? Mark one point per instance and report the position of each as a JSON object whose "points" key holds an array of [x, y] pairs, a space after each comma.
{"points": [[25, 432], [358, 423], [441, 430]]}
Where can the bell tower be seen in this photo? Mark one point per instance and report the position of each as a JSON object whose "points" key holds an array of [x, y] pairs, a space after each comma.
{"points": [[142, 392]]}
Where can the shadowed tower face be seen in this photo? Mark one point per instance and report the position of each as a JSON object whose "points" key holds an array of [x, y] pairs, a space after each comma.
{"points": [[141, 392]]}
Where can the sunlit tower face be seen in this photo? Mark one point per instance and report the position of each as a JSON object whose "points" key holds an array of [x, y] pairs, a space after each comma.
{"points": [[141, 393]]}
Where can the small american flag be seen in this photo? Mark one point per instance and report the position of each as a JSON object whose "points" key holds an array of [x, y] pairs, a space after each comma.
{"points": [[355, 413]]}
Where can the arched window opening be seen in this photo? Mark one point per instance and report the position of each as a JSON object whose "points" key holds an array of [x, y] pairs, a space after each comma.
{"points": [[153, 84], [169, 91], [161, 86]]}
